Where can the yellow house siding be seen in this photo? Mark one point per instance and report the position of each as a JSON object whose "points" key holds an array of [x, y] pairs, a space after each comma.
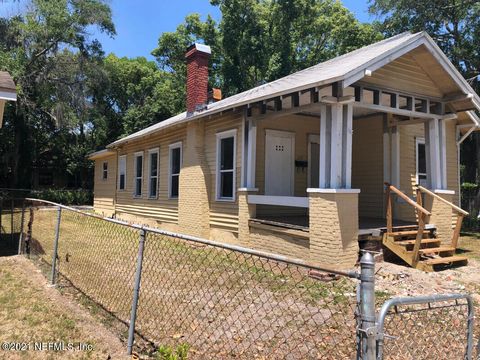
{"points": [[302, 126], [406, 75], [367, 165], [223, 214], [162, 208], [408, 170], [452, 164], [104, 190]]}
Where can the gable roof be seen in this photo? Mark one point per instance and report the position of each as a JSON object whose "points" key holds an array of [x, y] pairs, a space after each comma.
{"points": [[8, 90], [347, 68]]}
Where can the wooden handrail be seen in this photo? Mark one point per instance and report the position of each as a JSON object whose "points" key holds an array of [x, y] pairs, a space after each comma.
{"points": [[408, 200], [453, 206]]}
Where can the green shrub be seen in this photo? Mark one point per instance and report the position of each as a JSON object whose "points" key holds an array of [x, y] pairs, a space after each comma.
{"points": [[65, 197], [167, 353]]}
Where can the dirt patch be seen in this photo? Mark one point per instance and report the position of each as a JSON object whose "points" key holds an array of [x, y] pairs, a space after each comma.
{"points": [[32, 313], [399, 280]]}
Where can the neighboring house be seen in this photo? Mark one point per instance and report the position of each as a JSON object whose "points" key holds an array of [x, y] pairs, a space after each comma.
{"points": [[8, 92], [297, 166]]}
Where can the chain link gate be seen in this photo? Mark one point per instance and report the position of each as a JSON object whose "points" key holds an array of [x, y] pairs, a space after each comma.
{"points": [[226, 301], [407, 325]]}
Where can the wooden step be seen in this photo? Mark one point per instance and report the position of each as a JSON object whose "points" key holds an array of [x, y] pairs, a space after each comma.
{"points": [[436, 250], [444, 260], [407, 233], [412, 242]]}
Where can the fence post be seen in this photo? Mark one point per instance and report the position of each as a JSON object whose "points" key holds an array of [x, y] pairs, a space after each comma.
{"points": [[55, 246], [136, 292], [20, 238], [367, 306]]}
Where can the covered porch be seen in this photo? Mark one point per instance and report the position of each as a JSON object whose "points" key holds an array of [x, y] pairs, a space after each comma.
{"points": [[315, 164]]}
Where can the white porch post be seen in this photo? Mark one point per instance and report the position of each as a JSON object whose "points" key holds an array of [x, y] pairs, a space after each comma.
{"points": [[251, 153], [347, 148], [335, 160], [443, 153], [395, 153], [433, 148], [333, 207], [324, 151], [336, 164]]}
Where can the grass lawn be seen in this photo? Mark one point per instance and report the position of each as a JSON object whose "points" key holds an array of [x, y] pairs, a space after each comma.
{"points": [[469, 245], [221, 303], [32, 312]]}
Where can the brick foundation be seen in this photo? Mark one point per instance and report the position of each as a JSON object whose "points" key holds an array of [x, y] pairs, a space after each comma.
{"points": [[441, 216], [334, 228]]}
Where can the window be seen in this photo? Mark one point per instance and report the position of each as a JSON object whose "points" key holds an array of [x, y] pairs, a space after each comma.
{"points": [[421, 161], [122, 172], [175, 166], [153, 173], [226, 144], [105, 170], [138, 174]]}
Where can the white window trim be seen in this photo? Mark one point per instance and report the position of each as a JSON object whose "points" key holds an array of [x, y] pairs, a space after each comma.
{"points": [[120, 158], [104, 178], [135, 178], [418, 141], [220, 136], [177, 145], [150, 152]]}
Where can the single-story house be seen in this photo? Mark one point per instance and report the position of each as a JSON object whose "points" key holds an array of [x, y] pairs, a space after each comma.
{"points": [[297, 166], [8, 92]]}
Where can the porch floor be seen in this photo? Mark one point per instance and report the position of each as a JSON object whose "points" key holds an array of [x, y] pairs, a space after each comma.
{"points": [[367, 226]]}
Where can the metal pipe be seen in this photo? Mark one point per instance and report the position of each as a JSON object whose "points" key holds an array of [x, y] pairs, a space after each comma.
{"points": [[55, 246], [136, 292], [367, 306]]}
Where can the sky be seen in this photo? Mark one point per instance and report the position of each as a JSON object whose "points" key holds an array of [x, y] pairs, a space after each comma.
{"points": [[139, 23]]}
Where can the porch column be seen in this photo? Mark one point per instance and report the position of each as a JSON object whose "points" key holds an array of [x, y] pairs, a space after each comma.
{"points": [[335, 157], [436, 156], [435, 148], [251, 154], [333, 207], [247, 211]]}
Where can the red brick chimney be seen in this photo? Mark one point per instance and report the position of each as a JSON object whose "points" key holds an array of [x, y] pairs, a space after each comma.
{"points": [[197, 77]]}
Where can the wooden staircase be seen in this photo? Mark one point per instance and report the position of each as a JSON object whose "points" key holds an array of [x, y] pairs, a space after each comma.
{"points": [[415, 245]]}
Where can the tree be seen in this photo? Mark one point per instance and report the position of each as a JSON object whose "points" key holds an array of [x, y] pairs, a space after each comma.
{"points": [[259, 40], [455, 27], [38, 49], [137, 94]]}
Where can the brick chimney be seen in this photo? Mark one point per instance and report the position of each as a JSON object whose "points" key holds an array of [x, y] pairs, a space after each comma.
{"points": [[197, 77]]}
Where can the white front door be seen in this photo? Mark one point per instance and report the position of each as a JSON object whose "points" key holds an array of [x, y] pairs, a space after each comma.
{"points": [[279, 163]]}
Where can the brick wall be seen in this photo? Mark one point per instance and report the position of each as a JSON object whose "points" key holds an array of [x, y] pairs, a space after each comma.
{"points": [[193, 203], [334, 228]]}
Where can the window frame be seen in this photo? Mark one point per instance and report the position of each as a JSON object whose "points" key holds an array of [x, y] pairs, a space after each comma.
{"points": [[157, 177], [171, 147], [220, 136], [420, 141], [104, 171], [120, 159], [135, 177]]}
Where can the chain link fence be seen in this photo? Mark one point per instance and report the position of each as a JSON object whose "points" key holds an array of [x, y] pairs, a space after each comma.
{"points": [[222, 301], [430, 327]]}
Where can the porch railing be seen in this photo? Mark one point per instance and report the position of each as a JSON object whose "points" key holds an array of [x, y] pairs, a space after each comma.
{"points": [[459, 211], [422, 214]]}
